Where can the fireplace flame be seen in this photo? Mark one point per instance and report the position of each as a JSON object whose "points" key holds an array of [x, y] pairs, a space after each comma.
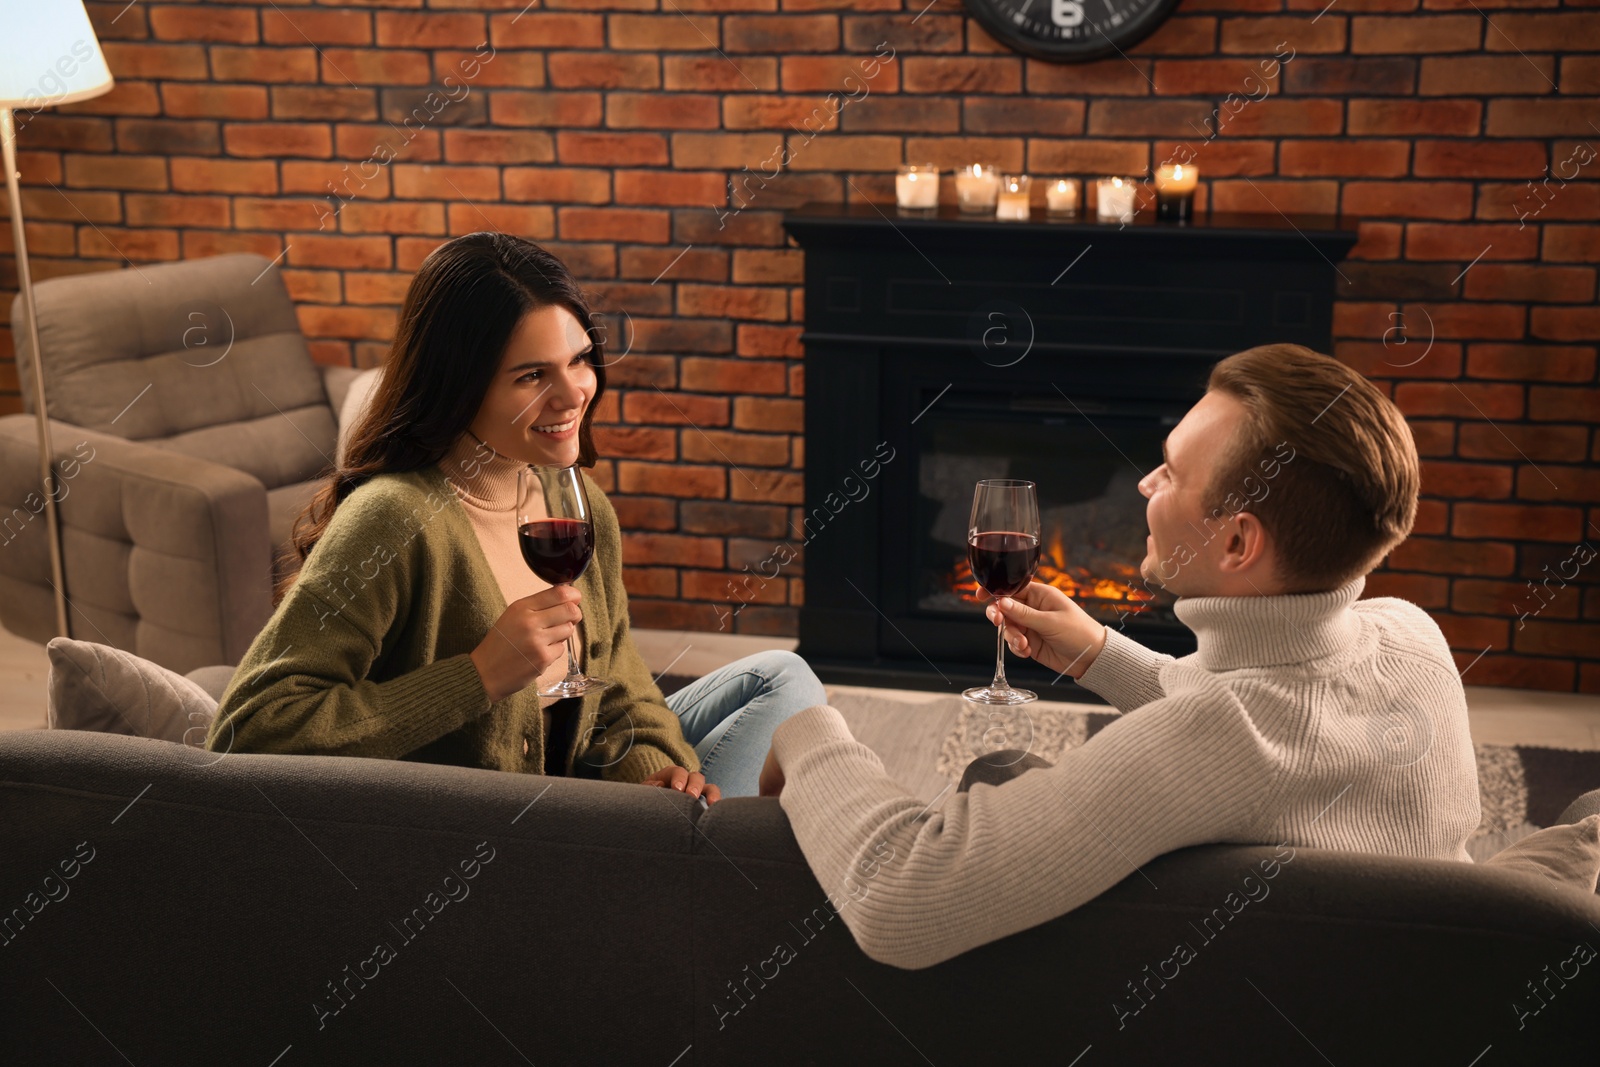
{"points": [[1076, 581]]}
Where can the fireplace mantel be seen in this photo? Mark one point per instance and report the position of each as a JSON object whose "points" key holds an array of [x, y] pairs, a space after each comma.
{"points": [[911, 314]]}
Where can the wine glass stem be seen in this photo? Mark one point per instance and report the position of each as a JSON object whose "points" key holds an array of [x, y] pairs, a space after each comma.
{"points": [[573, 675], [1000, 658]]}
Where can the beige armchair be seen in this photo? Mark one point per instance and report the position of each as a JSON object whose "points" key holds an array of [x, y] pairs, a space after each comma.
{"points": [[190, 426]]}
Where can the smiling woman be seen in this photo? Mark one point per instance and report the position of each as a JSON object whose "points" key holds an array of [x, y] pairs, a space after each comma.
{"points": [[414, 629]]}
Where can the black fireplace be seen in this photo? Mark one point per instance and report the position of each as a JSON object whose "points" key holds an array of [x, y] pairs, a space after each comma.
{"points": [[943, 349]]}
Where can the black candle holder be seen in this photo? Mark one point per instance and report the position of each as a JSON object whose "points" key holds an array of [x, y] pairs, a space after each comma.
{"points": [[1175, 207]]}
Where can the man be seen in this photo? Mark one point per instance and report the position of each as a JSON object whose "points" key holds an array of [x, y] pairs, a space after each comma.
{"points": [[1305, 717]]}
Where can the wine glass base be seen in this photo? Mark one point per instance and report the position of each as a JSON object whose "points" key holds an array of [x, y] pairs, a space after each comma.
{"points": [[574, 687], [990, 694]]}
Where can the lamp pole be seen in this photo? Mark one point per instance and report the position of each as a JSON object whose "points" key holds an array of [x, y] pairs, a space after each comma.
{"points": [[8, 134]]}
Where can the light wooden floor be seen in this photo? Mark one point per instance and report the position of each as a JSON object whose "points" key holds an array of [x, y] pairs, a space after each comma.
{"points": [[1496, 716]]}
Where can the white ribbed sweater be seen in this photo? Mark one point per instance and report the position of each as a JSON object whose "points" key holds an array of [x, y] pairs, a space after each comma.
{"points": [[1313, 720]]}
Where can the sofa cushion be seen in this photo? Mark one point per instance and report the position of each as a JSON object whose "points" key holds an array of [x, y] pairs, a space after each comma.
{"points": [[1568, 854], [106, 690]]}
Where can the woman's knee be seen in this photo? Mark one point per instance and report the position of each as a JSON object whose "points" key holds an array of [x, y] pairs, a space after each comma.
{"points": [[792, 672]]}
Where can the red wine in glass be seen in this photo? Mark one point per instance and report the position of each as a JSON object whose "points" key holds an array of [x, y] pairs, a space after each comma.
{"points": [[556, 531], [557, 550], [1003, 563], [1003, 550]]}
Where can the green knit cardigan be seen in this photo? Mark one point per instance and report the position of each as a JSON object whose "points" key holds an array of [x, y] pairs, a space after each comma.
{"points": [[368, 652]]}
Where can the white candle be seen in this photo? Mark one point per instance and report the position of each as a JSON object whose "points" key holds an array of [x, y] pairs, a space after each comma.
{"points": [[1061, 196], [1013, 199], [977, 188], [1115, 199], [917, 186]]}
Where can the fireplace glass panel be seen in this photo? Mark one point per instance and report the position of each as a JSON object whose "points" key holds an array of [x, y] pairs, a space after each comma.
{"points": [[1087, 468]]}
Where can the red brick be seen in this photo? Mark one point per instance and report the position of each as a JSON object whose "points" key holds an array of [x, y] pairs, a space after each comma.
{"points": [[780, 487], [1362, 159], [1423, 590], [613, 224], [1081, 155], [1452, 557], [111, 242], [759, 266], [674, 479], [774, 415], [1473, 321], [782, 34], [1572, 243], [1223, 158], [1153, 118], [287, 65], [346, 322], [1433, 438], [951, 153], [757, 340], [720, 301], [360, 253], [1540, 117], [1579, 74], [177, 62], [611, 149], [1481, 159], [227, 25], [949, 74], [278, 139], [1104, 77], [1568, 484], [603, 70], [928, 33], [738, 376], [1434, 118], [675, 264], [1512, 441], [1564, 32], [697, 188], [1474, 631], [1433, 517], [1217, 77], [676, 409], [558, 184], [1548, 200], [676, 549], [1456, 480], [677, 31], [1289, 197], [414, 30], [373, 287], [1486, 75], [1470, 400], [391, 218], [1263, 34], [315, 26], [1296, 118], [1565, 324], [1508, 281], [715, 74], [750, 520], [646, 581], [1554, 638], [545, 109], [1366, 319], [1484, 597], [1414, 34], [1525, 522], [646, 513], [333, 179], [1552, 363], [726, 151], [276, 213], [675, 111], [1554, 403], [1517, 672], [537, 29], [1466, 242], [423, 182], [1412, 199], [224, 176], [717, 446], [683, 335], [784, 112], [997, 115]]}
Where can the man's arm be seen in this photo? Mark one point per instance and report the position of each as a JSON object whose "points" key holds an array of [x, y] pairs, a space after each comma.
{"points": [[1125, 672], [917, 887]]}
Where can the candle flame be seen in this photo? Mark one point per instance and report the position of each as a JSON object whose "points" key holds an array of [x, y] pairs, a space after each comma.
{"points": [[1177, 172]]}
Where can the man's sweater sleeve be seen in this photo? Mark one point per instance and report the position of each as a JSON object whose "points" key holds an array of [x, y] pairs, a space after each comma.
{"points": [[916, 887], [1125, 672], [303, 688]]}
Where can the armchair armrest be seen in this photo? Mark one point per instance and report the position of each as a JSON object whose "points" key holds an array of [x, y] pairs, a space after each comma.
{"points": [[336, 382], [166, 556]]}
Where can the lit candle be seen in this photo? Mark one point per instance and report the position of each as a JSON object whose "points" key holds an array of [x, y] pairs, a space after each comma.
{"points": [[1114, 202], [1175, 184], [1013, 199], [1061, 196], [977, 188], [916, 187]]}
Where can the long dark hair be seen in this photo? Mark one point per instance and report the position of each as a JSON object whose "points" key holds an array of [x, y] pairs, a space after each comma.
{"points": [[460, 311]]}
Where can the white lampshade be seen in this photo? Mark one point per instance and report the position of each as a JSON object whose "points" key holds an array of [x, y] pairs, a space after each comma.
{"points": [[49, 54]]}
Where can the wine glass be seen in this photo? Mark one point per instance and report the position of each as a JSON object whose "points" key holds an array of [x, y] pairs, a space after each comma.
{"points": [[1003, 550], [556, 531]]}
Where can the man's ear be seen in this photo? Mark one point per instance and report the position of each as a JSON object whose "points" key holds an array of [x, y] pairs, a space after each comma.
{"points": [[1248, 548]]}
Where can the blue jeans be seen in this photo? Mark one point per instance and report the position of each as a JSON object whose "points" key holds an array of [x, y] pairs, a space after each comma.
{"points": [[730, 714]]}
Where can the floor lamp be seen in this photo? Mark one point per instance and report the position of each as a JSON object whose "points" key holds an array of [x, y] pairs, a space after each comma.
{"points": [[49, 55]]}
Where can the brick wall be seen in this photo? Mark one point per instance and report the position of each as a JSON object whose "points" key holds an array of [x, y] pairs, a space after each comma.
{"points": [[609, 129]]}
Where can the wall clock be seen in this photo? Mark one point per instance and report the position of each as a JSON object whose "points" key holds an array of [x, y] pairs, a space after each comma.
{"points": [[1070, 31]]}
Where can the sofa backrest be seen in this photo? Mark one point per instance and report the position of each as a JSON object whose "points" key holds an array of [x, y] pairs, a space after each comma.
{"points": [[376, 910], [201, 356]]}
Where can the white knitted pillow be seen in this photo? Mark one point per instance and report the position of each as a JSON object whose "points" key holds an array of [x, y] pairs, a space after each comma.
{"points": [[1568, 854], [97, 687]]}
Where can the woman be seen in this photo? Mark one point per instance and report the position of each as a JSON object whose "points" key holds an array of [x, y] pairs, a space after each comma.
{"points": [[414, 630]]}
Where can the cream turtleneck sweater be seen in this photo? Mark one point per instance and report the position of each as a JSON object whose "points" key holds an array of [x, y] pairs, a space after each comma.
{"points": [[486, 484], [1314, 720]]}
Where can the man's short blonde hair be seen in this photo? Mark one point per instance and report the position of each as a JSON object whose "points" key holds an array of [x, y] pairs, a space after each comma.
{"points": [[1349, 494]]}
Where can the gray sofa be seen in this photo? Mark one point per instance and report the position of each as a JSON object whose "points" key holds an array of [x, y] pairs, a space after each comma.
{"points": [[230, 910], [190, 426]]}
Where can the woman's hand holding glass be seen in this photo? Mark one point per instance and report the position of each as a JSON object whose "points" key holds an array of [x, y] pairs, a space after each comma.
{"points": [[530, 635]]}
